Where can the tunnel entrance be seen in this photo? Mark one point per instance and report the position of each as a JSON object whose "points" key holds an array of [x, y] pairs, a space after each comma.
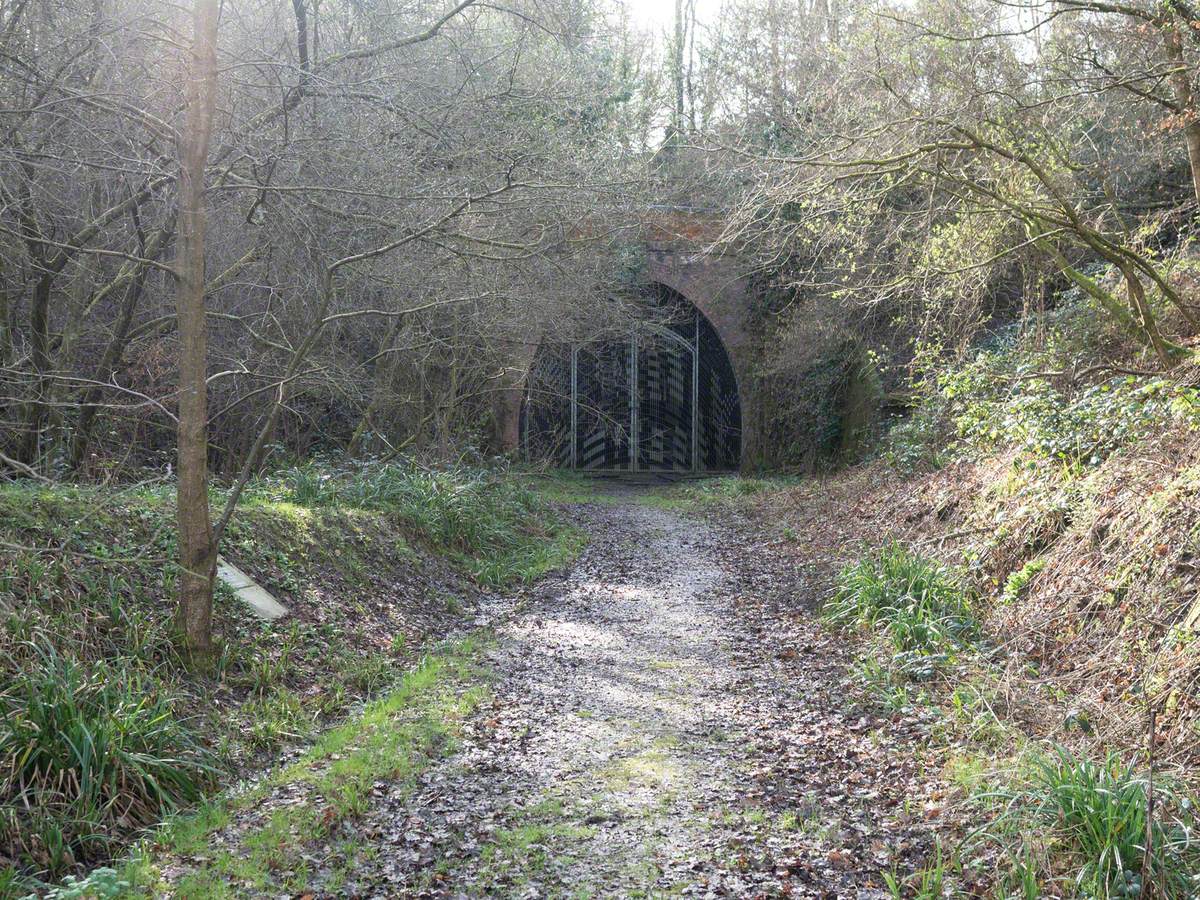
{"points": [[661, 398]]}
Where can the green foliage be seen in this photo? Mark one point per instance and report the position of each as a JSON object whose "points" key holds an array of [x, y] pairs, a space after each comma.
{"points": [[99, 718], [728, 489], [499, 528], [100, 884], [917, 441], [393, 739], [991, 410], [92, 754], [928, 883], [1013, 393], [1099, 810], [918, 604], [1015, 584]]}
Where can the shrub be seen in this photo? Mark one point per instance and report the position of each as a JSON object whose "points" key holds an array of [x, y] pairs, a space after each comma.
{"points": [[92, 754], [1099, 809], [1083, 427], [917, 603], [1001, 397]]}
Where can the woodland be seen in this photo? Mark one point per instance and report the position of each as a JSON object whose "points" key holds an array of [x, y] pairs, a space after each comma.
{"points": [[275, 278]]}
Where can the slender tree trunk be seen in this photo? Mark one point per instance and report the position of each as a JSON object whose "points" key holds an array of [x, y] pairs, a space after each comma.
{"points": [[677, 66], [197, 550], [39, 342], [5, 325], [385, 375], [110, 361], [1181, 84]]}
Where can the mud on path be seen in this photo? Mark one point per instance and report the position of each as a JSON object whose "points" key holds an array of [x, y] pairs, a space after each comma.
{"points": [[668, 720]]}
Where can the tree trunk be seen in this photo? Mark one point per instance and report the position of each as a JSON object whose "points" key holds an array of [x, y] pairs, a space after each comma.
{"points": [[1181, 84], [110, 361], [197, 550], [677, 67], [39, 341]]}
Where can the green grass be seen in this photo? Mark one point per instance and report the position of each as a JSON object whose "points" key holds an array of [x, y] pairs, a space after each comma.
{"points": [[564, 486], [492, 523], [92, 692], [930, 882], [918, 605], [92, 754], [391, 741], [1098, 811], [537, 834], [723, 489]]}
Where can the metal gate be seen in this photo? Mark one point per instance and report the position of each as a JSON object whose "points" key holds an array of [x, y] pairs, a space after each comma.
{"points": [[662, 400]]}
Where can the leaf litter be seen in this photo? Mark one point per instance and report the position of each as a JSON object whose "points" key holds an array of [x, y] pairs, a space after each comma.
{"points": [[666, 718]]}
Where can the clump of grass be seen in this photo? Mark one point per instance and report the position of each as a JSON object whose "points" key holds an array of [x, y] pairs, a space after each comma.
{"points": [[730, 489], [1098, 809], [918, 604], [93, 754]]}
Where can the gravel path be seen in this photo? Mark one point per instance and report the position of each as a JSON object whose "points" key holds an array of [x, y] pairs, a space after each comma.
{"points": [[668, 720]]}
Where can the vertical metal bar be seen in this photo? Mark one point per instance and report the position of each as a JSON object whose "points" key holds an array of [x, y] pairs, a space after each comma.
{"points": [[633, 401], [696, 396], [528, 414], [574, 406]]}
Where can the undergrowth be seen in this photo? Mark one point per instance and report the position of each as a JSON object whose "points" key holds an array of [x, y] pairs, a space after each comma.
{"points": [[492, 523], [918, 605], [391, 741], [1069, 823], [1021, 391], [104, 730]]}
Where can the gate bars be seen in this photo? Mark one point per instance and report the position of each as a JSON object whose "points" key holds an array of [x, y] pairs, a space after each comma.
{"points": [[662, 399]]}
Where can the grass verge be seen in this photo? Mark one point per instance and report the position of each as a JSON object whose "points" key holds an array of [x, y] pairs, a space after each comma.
{"points": [[1056, 821], [107, 730], [270, 831]]}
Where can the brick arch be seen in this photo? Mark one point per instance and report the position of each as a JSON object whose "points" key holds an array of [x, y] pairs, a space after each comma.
{"points": [[721, 291], [718, 287]]}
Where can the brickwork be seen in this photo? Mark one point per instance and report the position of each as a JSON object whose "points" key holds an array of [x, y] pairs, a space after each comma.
{"points": [[717, 287], [715, 284]]}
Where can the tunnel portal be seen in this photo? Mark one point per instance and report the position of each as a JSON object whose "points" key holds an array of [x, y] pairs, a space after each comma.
{"points": [[662, 398]]}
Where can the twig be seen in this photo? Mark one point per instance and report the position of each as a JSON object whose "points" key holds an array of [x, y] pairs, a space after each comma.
{"points": [[24, 469]]}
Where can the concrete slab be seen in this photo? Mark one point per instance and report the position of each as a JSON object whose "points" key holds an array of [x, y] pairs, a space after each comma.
{"points": [[258, 598]]}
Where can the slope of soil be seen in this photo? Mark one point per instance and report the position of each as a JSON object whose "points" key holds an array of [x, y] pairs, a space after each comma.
{"points": [[373, 563]]}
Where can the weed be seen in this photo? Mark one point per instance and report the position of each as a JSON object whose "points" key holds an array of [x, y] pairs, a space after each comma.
{"points": [[927, 883], [274, 720], [887, 689], [1099, 809], [1018, 581], [919, 605], [1019, 880], [100, 884], [368, 675], [95, 752]]}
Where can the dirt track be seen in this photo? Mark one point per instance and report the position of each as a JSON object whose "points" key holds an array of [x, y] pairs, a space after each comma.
{"points": [[668, 720]]}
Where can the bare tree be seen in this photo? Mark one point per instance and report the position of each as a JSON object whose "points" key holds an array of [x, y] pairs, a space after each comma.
{"points": [[197, 549]]}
